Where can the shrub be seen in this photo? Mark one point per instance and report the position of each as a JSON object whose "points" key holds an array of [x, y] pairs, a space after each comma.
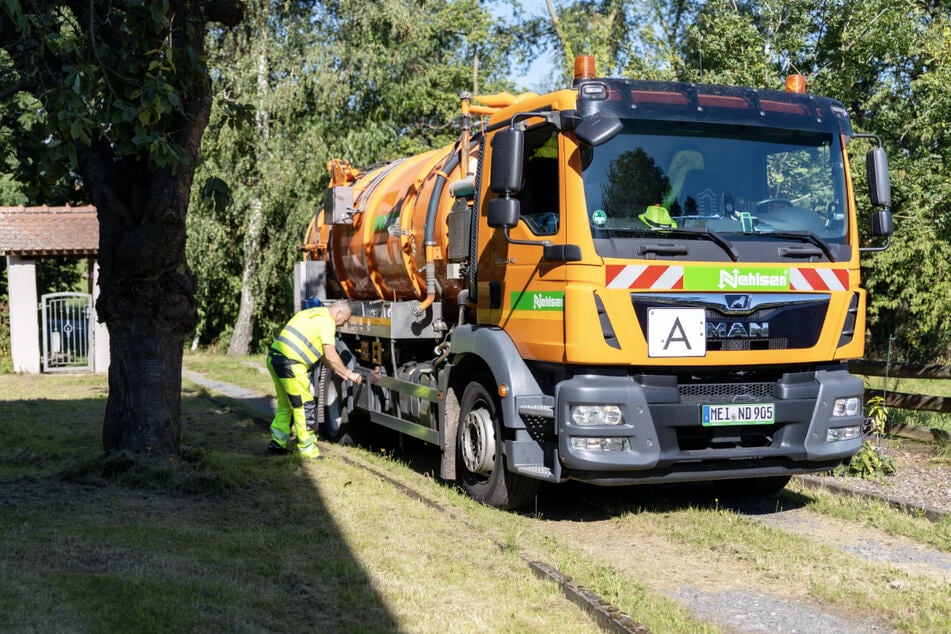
{"points": [[871, 460]]}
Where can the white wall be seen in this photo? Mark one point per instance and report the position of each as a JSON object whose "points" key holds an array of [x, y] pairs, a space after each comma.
{"points": [[24, 315]]}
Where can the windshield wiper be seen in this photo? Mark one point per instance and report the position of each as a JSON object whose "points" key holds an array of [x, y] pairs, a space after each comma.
{"points": [[804, 236], [703, 232], [640, 231], [709, 234]]}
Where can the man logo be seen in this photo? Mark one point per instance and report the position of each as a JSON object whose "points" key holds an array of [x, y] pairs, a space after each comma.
{"points": [[738, 302]]}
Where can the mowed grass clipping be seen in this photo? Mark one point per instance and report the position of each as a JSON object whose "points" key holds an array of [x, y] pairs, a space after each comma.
{"points": [[224, 539]]}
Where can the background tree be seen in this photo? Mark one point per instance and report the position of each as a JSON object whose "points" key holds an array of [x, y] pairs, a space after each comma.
{"points": [[124, 97], [887, 61], [633, 183], [251, 175], [328, 91]]}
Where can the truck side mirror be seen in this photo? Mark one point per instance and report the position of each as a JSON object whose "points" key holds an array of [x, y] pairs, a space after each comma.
{"points": [[882, 223], [598, 128], [503, 213], [508, 152], [879, 185], [879, 192]]}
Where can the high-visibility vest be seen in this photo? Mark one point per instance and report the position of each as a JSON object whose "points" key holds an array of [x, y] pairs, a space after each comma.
{"points": [[303, 338]]}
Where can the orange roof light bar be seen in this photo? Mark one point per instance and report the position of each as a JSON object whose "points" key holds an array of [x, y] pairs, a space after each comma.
{"points": [[796, 83], [584, 67]]}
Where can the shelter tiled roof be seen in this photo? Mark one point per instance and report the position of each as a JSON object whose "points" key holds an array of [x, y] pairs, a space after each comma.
{"points": [[39, 231]]}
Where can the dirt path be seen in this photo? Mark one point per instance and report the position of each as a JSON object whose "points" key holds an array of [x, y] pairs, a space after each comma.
{"points": [[757, 565]]}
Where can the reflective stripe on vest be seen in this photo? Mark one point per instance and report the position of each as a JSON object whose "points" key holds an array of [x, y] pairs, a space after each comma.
{"points": [[304, 350]]}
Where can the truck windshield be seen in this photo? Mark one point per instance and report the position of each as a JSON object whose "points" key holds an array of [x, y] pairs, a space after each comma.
{"points": [[747, 184]]}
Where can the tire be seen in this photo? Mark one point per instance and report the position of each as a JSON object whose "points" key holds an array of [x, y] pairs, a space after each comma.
{"points": [[480, 461], [339, 422], [335, 422], [754, 487]]}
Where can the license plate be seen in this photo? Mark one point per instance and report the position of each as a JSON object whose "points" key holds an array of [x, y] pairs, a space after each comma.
{"points": [[745, 414]]}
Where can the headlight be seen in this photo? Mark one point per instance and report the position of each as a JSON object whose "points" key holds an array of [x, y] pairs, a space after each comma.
{"points": [[843, 433], [600, 444], [596, 415], [846, 406]]}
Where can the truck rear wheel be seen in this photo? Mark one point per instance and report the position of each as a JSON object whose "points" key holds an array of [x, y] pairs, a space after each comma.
{"points": [[480, 460], [339, 423]]}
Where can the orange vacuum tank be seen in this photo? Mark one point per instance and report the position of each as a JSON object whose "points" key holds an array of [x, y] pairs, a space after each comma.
{"points": [[382, 247]]}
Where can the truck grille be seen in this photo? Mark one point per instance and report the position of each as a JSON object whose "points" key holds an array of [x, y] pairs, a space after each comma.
{"points": [[703, 439], [773, 343], [768, 321], [726, 392]]}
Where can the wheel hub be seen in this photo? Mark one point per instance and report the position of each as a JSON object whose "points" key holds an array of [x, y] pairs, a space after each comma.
{"points": [[478, 442]]}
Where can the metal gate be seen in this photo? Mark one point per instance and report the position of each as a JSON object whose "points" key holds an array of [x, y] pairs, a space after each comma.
{"points": [[67, 332]]}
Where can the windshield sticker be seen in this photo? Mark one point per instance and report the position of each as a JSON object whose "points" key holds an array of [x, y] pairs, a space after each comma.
{"points": [[538, 300], [598, 217]]}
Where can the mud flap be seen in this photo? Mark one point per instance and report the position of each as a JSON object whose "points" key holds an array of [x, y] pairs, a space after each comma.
{"points": [[447, 464]]}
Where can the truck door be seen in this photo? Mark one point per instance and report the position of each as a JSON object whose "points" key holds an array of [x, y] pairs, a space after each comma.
{"points": [[518, 289]]}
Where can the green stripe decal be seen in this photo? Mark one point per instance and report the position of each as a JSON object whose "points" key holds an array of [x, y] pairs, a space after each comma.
{"points": [[735, 279], [538, 300]]}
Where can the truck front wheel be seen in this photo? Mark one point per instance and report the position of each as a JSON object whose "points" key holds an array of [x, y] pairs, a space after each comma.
{"points": [[480, 462]]}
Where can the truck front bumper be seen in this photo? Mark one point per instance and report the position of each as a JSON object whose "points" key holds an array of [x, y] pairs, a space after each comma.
{"points": [[661, 437]]}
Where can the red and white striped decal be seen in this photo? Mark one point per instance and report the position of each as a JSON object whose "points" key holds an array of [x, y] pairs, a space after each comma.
{"points": [[818, 279], [656, 277]]}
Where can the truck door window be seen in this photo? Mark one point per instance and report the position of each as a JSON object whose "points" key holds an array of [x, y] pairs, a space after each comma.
{"points": [[538, 199]]}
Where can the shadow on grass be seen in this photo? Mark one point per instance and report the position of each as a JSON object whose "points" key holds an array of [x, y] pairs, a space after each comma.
{"points": [[578, 501], [582, 502], [221, 539]]}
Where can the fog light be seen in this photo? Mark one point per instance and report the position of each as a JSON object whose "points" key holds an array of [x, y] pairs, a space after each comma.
{"points": [[596, 415], [843, 433], [846, 406], [600, 444]]}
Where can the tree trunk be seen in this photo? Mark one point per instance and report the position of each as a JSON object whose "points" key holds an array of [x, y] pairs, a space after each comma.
{"points": [[240, 343], [147, 291], [147, 297], [243, 332]]}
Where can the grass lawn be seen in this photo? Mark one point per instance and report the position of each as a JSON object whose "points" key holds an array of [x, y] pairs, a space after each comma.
{"points": [[225, 539]]}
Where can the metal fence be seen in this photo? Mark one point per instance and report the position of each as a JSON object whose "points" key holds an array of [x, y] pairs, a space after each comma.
{"points": [[67, 332]]}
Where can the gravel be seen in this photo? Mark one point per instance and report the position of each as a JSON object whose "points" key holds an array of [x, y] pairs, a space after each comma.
{"points": [[922, 483], [759, 612]]}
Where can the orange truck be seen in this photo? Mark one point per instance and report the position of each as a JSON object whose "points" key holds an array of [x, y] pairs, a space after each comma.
{"points": [[618, 283]]}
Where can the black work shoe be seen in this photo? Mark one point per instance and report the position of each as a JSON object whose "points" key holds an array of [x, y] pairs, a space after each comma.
{"points": [[274, 449]]}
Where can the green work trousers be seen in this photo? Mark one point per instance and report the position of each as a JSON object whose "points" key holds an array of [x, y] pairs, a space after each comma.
{"points": [[295, 404]]}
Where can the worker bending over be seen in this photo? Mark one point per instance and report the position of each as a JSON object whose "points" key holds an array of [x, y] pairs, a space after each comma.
{"points": [[308, 338]]}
